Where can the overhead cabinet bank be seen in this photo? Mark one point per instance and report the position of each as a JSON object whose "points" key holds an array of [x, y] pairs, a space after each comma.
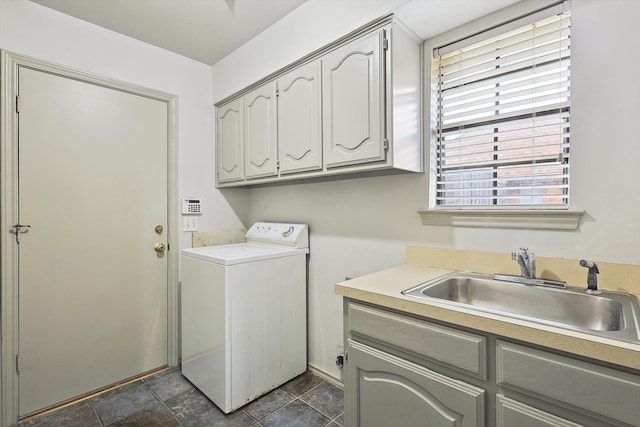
{"points": [[351, 106]]}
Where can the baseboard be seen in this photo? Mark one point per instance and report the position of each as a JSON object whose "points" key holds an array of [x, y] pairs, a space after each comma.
{"points": [[326, 376]]}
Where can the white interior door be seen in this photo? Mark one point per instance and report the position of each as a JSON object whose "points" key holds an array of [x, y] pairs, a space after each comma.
{"points": [[93, 187]]}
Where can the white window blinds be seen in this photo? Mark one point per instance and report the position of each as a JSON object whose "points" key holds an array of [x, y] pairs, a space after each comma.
{"points": [[503, 120]]}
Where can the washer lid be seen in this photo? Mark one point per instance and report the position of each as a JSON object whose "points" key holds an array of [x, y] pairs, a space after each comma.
{"points": [[240, 253]]}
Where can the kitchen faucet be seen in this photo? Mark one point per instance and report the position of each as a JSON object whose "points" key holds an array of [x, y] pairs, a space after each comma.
{"points": [[592, 276], [527, 263]]}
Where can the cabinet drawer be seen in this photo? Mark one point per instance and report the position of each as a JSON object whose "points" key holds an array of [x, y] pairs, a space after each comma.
{"points": [[581, 384], [510, 412], [463, 351]]}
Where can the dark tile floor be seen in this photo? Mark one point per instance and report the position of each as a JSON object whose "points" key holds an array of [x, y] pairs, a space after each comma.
{"points": [[167, 399]]}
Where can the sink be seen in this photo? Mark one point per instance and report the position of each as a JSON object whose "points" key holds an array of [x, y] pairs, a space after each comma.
{"points": [[610, 314]]}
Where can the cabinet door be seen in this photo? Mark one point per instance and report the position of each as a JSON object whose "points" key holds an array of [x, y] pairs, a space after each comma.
{"points": [[510, 412], [230, 142], [299, 112], [260, 132], [353, 94], [385, 390]]}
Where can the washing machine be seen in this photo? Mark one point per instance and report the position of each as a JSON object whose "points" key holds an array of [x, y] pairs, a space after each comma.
{"points": [[244, 313]]}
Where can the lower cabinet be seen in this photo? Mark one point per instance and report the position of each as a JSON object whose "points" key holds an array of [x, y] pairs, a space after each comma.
{"points": [[385, 390], [510, 412], [404, 370], [605, 392]]}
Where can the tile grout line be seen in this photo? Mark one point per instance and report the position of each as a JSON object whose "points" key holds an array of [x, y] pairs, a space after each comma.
{"points": [[280, 408], [93, 408], [117, 390], [244, 411], [163, 403], [338, 416], [305, 403], [331, 419], [323, 381]]}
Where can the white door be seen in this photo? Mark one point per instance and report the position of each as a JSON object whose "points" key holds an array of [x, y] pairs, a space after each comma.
{"points": [[93, 187], [353, 81]]}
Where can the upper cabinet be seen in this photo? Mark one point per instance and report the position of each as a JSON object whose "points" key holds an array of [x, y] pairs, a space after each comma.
{"points": [[353, 93], [352, 106], [299, 127], [260, 132], [230, 142]]}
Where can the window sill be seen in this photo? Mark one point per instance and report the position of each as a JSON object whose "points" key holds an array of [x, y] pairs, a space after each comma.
{"points": [[529, 219]]}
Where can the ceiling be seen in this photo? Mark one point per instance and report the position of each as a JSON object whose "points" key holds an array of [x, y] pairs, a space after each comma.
{"points": [[204, 30], [208, 30]]}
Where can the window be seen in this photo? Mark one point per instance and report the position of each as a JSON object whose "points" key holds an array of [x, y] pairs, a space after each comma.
{"points": [[503, 118]]}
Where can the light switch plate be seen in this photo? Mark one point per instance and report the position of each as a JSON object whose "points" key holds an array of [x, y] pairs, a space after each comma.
{"points": [[189, 223]]}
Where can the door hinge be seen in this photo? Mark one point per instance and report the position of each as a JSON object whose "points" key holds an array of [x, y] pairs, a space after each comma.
{"points": [[18, 363], [385, 44], [386, 144], [346, 356], [18, 104]]}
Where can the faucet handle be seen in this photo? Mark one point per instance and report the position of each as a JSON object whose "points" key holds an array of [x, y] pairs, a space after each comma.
{"points": [[528, 256]]}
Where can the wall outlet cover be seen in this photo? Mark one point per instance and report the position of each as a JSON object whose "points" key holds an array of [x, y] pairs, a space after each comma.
{"points": [[189, 223]]}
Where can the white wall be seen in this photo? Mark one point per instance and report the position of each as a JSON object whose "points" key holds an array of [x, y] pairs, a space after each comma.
{"points": [[360, 225], [34, 30], [307, 28]]}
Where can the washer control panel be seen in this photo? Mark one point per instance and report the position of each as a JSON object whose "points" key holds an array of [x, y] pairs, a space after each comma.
{"points": [[294, 235]]}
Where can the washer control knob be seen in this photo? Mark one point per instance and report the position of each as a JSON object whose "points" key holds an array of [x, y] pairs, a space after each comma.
{"points": [[288, 231]]}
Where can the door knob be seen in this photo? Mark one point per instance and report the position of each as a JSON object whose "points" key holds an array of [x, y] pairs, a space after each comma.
{"points": [[159, 247]]}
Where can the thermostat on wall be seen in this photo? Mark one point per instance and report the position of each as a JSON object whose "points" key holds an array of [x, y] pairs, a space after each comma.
{"points": [[191, 206]]}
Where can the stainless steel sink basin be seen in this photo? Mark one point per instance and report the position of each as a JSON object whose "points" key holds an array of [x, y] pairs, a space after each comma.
{"points": [[610, 314]]}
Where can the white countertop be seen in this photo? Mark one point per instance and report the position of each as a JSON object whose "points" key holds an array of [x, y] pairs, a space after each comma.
{"points": [[384, 289]]}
